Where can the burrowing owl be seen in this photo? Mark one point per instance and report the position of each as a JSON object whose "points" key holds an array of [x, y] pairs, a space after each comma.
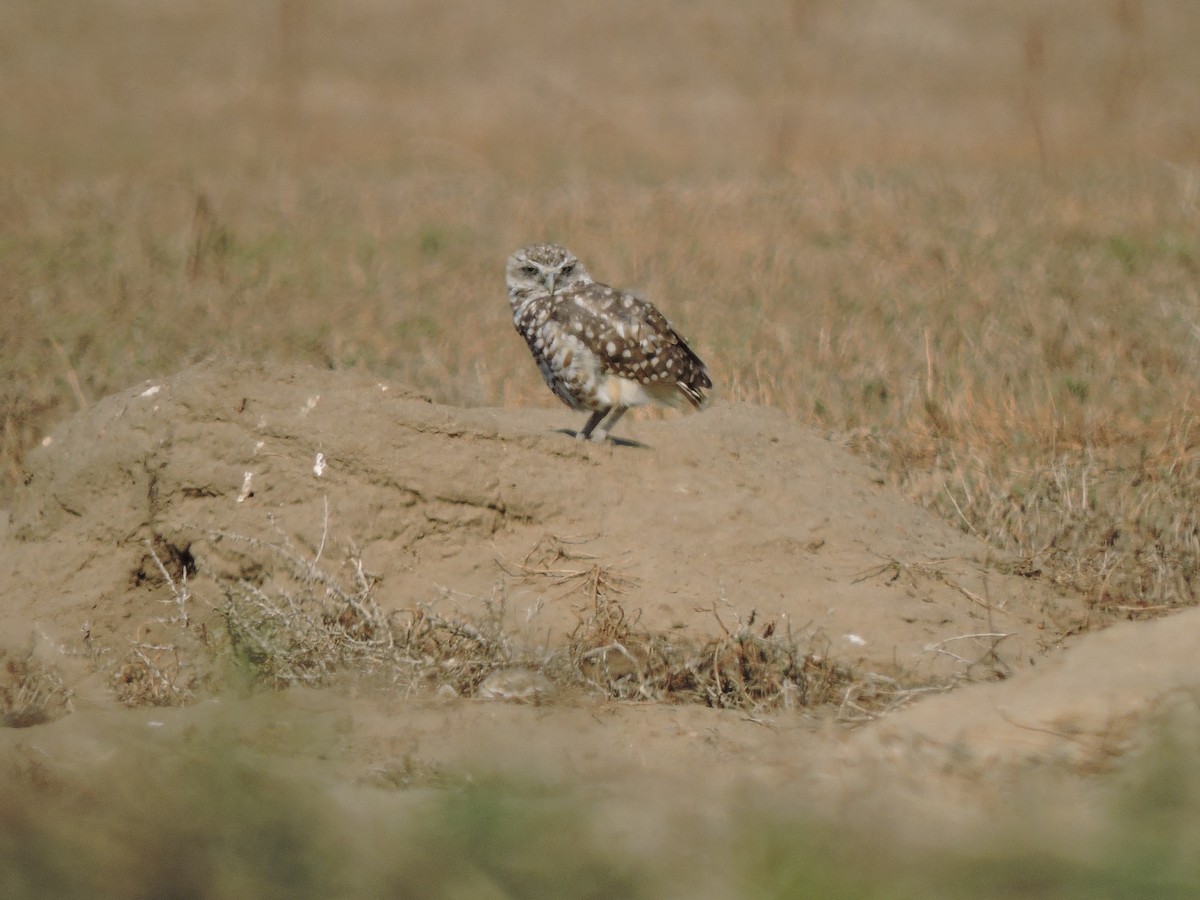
{"points": [[599, 348]]}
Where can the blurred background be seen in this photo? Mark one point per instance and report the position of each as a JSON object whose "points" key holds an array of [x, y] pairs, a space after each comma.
{"points": [[531, 91]]}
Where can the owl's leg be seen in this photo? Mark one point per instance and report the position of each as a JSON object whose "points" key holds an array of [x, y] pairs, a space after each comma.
{"points": [[592, 422], [607, 424], [598, 418]]}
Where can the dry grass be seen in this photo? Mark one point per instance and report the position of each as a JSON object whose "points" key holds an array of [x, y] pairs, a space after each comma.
{"points": [[299, 623], [750, 665], [958, 237]]}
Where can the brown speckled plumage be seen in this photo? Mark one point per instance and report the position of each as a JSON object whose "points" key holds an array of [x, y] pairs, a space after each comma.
{"points": [[599, 348]]}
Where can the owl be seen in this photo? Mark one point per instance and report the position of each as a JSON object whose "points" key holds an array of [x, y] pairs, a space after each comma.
{"points": [[599, 348]]}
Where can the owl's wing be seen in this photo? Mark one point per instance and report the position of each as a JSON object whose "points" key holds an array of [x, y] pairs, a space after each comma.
{"points": [[632, 339]]}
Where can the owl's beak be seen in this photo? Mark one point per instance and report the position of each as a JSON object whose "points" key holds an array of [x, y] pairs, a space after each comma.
{"points": [[550, 282]]}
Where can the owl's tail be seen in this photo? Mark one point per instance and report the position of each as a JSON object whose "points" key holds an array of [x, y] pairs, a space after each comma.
{"points": [[694, 381], [693, 390], [686, 390]]}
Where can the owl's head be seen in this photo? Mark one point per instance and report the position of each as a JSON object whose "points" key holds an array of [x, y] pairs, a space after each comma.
{"points": [[543, 267]]}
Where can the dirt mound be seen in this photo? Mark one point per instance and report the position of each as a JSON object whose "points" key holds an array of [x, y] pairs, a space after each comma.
{"points": [[735, 514], [731, 521]]}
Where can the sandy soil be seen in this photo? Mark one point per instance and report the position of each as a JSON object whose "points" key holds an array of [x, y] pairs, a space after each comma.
{"points": [[720, 515]]}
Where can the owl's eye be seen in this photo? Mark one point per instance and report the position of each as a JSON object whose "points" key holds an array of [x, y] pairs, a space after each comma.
{"points": [[529, 271], [568, 270]]}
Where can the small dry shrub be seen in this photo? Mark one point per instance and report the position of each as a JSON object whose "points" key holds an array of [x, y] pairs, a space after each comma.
{"points": [[308, 626], [460, 652], [31, 691], [164, 665], [750, 666]]}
